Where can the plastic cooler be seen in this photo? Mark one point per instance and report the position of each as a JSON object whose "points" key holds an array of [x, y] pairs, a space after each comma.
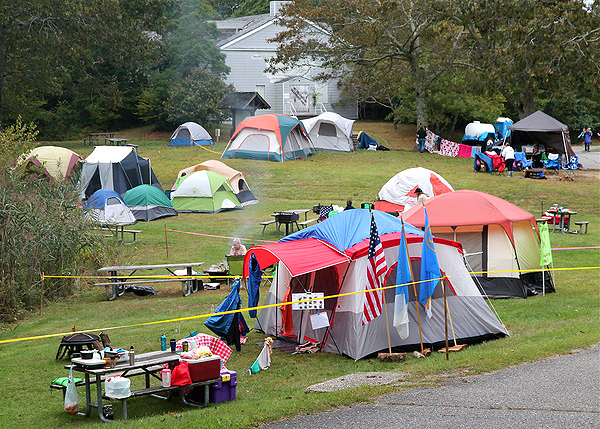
{"points": [[204, 369], [224, 389]]}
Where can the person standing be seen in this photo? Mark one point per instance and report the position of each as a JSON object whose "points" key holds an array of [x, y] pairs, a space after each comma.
{"points": [[421, 196], [421, 136], [508, 154], [587, 139]]}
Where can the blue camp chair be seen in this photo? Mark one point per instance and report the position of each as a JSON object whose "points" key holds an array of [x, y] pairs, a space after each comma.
{"points": [[521, 161], [482, 160], [553, 163]]}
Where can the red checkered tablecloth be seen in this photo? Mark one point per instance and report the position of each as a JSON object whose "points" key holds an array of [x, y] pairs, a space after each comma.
{"points": [[216, 346]]}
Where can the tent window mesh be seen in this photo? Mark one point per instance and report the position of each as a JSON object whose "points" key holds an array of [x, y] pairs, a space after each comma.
{"points": [[326, 129], [255, 142]]}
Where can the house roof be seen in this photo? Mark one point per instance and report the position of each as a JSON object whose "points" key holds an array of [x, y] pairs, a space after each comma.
{"points": [[244, 100], [234, 28]]}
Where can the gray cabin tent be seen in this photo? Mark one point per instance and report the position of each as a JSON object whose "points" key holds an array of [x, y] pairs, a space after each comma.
{"points": [[119, 168]]}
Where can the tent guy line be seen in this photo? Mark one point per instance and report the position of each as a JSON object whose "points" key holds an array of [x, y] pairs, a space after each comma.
{"points": [[200, 316]]}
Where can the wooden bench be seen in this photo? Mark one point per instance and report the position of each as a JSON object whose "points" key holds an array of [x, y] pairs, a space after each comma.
{"points": [[188, 286], [307, 222], [581, 224], [154, 391], [265, 223]]}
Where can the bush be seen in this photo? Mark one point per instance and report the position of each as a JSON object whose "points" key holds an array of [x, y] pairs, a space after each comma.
{"points": [[42, 230]]}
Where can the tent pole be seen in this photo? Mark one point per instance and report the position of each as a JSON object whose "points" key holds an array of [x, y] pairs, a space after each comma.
{"points": [[412, 276], [166, 242], [387, 325], [445, 316]]}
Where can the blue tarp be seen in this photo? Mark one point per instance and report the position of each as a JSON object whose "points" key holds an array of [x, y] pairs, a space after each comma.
{"points": [[254, 280], [364, 141], [344, 230]]}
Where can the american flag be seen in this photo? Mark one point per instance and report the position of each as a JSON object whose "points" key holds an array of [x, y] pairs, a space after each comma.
{"points": [[376, 267]]}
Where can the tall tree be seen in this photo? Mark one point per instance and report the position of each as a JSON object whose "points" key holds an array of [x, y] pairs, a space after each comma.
{"points": [[530, 50], [377, 45]]}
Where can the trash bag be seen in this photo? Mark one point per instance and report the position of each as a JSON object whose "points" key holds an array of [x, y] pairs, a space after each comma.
{"points": [[140, 290], [71, 398], [181, 375]]}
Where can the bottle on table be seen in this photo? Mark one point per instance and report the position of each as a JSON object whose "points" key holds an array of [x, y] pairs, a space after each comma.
{"points": [[163, 342], [131, 356]]}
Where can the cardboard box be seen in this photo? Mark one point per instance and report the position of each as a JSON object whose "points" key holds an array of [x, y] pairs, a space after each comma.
{"points": [[204, 369]]}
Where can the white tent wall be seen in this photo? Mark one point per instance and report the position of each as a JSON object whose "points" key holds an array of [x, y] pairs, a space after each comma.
{"points": [[527, 243], [500, 254]]}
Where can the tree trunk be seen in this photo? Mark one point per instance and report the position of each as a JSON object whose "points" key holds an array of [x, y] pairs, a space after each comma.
{"points": [[526, 105]]}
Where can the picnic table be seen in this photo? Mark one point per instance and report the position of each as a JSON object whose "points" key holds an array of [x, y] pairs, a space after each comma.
{"points": [[116, 286], [146, 364], [118, 231], [564, 219], [94, 138], [289, 217]]}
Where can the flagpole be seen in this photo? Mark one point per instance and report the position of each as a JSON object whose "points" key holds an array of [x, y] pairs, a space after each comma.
{"points": [[387, 325], [414, 288], [445, 315]]}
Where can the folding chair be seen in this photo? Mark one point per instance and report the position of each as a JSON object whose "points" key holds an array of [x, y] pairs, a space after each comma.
{"points": [[236, 268]]}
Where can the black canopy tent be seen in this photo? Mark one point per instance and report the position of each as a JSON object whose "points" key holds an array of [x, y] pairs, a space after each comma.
{"points": [[543, 129]]}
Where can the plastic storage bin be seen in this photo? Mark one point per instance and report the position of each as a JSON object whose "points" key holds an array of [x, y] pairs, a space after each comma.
{"points": [[224, 390]]}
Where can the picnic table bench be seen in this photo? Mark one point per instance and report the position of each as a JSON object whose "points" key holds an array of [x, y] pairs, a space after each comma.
{"points": [[116, 141], [305, 223], [116, 286], [118, 231]]}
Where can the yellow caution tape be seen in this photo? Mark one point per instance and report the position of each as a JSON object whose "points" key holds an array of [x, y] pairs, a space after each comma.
{"points": [[200, 146]]}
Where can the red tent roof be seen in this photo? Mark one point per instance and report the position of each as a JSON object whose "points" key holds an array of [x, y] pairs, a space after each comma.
{"points": [[299, 256], [465, 207]]}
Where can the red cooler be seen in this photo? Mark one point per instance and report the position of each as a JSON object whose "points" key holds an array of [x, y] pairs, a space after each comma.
{"points": [[204, 369]]}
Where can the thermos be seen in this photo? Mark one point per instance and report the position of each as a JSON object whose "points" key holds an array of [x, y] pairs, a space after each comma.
{"points": [[131, 356], [163, 342], [173, 345]]}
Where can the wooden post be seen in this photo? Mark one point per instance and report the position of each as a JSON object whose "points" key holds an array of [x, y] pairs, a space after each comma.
{"points": [[166, 242], [414, 289], [42, 295], [445, 315]]}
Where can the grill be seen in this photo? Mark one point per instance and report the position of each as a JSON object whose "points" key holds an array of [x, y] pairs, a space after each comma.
{"points": [[286, 217]]}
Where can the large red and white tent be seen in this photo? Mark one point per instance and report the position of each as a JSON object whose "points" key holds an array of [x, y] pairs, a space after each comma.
{"points": [[331, 258], [497, 236], [398, 194]]}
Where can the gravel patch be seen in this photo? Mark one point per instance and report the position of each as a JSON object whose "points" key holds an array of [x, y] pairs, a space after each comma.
{"points": [[356, 380]]}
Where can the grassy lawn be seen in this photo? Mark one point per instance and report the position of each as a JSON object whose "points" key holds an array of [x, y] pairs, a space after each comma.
{"points": [[540, 326]]}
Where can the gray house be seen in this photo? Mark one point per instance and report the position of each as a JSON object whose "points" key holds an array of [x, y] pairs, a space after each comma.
{"points": [[245, 44]]}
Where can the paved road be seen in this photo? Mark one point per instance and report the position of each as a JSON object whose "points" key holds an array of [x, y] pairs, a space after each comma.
{"points": [[589, 160], [560, 392]]}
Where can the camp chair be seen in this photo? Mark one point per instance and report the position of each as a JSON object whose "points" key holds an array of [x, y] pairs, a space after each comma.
{"points": [[571, 166], [553, 162], [236, 268], [324, 212], [521, 162]]}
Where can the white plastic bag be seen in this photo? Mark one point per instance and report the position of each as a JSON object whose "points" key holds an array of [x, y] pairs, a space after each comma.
{"points": [[71, 398], [118, 387]]}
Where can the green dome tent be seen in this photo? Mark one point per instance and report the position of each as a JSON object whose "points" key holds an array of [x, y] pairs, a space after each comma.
{"points": [[148, 203], [204, 192]]}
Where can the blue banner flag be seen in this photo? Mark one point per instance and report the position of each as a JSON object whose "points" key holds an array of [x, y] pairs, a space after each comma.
{"points": [[402, 277], [430, 269]]}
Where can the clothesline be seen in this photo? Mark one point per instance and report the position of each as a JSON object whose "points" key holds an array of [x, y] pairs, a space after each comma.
{"points": [[448, 147]]}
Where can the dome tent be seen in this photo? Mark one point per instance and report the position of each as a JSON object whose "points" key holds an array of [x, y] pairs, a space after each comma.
{"points": [[57, 162], [330, 132], [148, 203], [236, 179], [108, 208], [271, 138], [204, 192], [496, 235], [119, 168], [398, 193], [190, 134]]}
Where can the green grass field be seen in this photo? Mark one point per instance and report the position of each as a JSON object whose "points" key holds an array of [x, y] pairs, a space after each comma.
{"points": [[539, 326]]}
